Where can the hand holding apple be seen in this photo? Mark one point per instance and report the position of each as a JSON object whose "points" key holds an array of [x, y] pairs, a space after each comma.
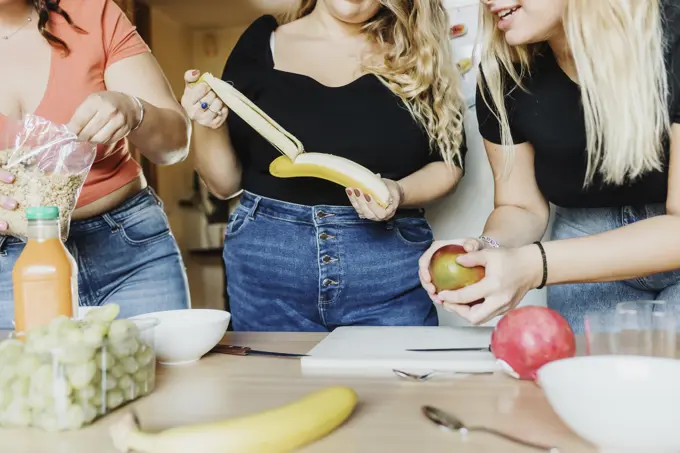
{"points": [[447, 274], [509, 273]]}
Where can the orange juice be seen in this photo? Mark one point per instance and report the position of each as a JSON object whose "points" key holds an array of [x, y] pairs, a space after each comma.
{"points": [[44, 276]]}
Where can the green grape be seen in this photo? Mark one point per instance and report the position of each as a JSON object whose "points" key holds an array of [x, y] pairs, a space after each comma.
{"points": [[89, 412], [122, 328], [10, 351], [125, 383], [106, 313], [81, 375], [40, 401], [141, 375], [94, 333], [130, 365], [73, 417], [20, 387], [104, 359], [123, 348], [114, 398], [108, 381], [61, 323], [117, 371], [145, 355], [75, 354], [41, 380], [86, 393], [7, 373], [28, 364], [17, 414], [46, 420], [73, 337], [5, 398], [96, 400]]}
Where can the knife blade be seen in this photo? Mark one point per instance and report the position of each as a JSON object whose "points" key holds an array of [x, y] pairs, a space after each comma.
{"points": [[477, 349], [245, 350]]}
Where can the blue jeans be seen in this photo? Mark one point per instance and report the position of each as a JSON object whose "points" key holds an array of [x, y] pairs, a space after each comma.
{"points": [[127, 256], [574, 300], [313, 268]]}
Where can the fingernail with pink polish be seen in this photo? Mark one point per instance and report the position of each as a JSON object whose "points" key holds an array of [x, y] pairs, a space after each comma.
{"points": [[357, 192], [349, 192], [3, 226], [6, 177], [368, 197]]}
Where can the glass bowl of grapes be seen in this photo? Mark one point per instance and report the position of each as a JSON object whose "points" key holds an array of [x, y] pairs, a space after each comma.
{"points": [[65, 375]]}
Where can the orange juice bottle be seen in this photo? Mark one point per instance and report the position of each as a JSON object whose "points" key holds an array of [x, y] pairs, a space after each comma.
{"points": [[45, 275]]}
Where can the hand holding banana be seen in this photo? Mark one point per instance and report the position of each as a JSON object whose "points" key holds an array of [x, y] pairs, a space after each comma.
{"points": [[201, 103], [366, 206]]}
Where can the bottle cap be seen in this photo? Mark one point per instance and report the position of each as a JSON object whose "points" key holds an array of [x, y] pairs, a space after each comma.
{"points": [[42, 213]]}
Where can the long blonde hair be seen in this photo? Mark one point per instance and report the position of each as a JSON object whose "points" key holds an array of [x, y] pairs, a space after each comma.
{"points": [[417, 66], [618, 49]]}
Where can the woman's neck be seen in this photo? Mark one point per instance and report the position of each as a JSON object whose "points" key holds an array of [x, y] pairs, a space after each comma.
{"points": [[14, 14], [332, 26], [565, 59]]}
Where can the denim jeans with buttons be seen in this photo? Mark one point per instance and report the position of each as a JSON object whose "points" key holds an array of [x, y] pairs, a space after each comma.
{"points": [[313, 268], [573, 301], [127, 256]]}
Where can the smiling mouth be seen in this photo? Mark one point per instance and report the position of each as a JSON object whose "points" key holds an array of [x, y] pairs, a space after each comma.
{"points": [[508, 12]]}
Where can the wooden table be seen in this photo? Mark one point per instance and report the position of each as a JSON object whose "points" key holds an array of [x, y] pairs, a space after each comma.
{"points": [[388, 417]]}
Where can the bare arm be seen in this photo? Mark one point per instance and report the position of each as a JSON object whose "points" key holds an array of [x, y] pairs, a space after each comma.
{"points": [[163, 136], [521, 213], [216, 161], [642, 248], [429, 183]]}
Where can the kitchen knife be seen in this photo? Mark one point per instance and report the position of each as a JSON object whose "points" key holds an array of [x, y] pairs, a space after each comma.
{"points": [[479, 349], [245, 350]]}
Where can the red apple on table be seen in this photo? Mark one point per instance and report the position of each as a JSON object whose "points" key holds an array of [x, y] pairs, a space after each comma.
{"points": [[447, 274], [529, 337]]}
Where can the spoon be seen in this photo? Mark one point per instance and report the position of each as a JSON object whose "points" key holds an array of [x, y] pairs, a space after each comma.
{"points": [[451, 423], [427, 376]]}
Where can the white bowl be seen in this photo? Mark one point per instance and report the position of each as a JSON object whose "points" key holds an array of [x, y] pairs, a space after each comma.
{"points": [[184, 336], [618, 403]]}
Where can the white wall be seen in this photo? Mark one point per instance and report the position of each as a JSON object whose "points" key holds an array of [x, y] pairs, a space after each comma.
{"points": [[464, 212]]}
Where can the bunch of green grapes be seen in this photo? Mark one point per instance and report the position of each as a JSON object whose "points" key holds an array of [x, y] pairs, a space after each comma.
{"points": [[64, 375]]}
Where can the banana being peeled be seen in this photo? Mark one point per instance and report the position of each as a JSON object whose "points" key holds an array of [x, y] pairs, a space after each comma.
{"points": [[279, 430], [295, 162]]}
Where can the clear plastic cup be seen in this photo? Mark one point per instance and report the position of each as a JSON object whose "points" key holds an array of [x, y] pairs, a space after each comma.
{"points": [[647, 328]]}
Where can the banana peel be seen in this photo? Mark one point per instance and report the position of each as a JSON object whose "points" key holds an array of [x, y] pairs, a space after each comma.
{"points": [[295, 161], [279, 430]]}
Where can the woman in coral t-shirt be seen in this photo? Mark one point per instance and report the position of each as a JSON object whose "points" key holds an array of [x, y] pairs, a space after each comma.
{"points": [[82, 63]]}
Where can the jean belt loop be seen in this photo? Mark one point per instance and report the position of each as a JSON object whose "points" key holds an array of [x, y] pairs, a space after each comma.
{"points": [[253, 208]]}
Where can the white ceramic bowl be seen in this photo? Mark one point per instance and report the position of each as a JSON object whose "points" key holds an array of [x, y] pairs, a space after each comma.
{"points": [[618, 403], [184, 336]]}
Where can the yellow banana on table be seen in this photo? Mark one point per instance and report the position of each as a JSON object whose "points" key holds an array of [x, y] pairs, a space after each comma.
{"points": [[296, 162], [279, 430]]}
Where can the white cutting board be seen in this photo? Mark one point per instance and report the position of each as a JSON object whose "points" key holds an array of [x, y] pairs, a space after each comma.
{"points": [[379, 350]]}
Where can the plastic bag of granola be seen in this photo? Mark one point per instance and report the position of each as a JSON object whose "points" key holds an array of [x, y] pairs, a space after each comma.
{"points": [[49, 166]]}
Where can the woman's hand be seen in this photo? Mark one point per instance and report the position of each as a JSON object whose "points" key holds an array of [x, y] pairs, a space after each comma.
{"points": [[366, 206], [470, 245], [201, 103], [510, 274], [105, 117], [6, 202]]}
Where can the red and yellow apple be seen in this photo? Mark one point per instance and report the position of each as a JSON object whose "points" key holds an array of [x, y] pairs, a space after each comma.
{"points": [[447, 274]]}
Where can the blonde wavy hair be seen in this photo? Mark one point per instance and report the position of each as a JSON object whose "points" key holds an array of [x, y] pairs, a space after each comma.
{"points": [[417, 66], [618, 50]]}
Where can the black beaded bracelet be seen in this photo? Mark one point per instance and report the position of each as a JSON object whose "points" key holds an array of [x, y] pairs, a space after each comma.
{"points": [[545, 265]]}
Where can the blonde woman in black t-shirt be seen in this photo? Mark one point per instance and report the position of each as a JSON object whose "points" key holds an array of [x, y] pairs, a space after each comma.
{"points": [[369, 80], [579, 106]]}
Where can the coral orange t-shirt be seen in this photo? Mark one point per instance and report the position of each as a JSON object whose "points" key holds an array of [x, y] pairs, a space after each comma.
{"points": [[110, 37]]}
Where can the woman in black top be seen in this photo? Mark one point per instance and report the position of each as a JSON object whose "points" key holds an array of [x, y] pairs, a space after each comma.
{"points": [[582, 101], [362, 80]]}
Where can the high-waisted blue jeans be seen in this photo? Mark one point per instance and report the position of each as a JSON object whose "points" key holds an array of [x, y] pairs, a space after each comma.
{"points": [[127, 256], [573, 301], [313, 268]]}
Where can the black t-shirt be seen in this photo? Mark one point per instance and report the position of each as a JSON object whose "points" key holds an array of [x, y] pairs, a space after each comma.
{"points": [[549, 115], [362, 121]]}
